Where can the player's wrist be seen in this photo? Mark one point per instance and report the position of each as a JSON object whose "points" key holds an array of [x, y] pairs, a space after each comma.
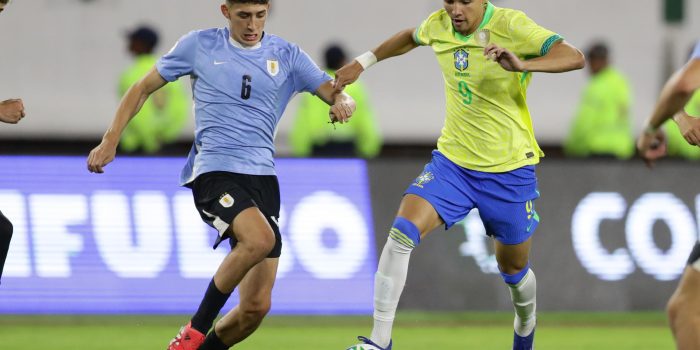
{"points": [[650, 129], [367, 59]]}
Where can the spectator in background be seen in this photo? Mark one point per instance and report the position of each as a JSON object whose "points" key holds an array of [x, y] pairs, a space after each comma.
{"points": [[163, 117], [676, 145], [312, 136], [602, 126]]}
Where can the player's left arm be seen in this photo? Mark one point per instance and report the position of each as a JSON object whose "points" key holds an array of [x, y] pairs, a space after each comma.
{"points": [[689, 127], [562, 57], [675, 94], [342, 104]]}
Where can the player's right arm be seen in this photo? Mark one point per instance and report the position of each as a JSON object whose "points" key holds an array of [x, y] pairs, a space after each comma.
{"points": [[399, 44], [130, 105]]}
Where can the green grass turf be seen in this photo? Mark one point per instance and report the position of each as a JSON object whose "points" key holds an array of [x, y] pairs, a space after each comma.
{"points": [[413, 331]]}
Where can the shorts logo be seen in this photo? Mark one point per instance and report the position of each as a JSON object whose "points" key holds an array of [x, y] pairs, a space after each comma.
{"points": [[423, 179], [461, 60], [273, 67], [226, 200]]}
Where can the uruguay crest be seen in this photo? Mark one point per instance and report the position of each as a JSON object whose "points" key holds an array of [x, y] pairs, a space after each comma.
{"points": [[461, 60], [273, 67]]}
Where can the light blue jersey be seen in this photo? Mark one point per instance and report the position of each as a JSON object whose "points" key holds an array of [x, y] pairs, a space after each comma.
{"points": [[239, 97], [696, 52]]}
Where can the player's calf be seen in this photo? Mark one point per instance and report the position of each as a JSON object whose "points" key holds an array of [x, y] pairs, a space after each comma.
{"points": [[389, 282], [523, 288]]}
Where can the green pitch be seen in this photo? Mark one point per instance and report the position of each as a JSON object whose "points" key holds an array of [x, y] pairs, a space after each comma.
{"points": [[414, 331]]}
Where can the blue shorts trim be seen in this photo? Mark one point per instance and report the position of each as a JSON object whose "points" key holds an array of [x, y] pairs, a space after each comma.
{"points": [[505, 200]]}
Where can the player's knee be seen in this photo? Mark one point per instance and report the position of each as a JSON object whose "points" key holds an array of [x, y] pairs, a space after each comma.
{"points": [[673, 309], [514, 273], [404, 232], [255, 310], [259, 244]]}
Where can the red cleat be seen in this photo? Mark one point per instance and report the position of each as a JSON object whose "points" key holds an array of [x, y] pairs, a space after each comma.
{"points": [[188, 339]]}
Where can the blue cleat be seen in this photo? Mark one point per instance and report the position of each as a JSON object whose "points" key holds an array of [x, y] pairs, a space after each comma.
{"points": [[368, 345], [523, 343]]}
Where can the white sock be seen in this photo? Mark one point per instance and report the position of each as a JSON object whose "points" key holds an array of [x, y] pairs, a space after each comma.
{"points": [[388, 285], [524, 298]]}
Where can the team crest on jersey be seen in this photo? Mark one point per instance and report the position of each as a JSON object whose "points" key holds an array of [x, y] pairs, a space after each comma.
{"points": [[461, 60], [226, 200], [423, 179], [273, 67]]}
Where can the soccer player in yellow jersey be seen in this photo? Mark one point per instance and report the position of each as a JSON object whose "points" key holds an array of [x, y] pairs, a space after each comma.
{"points": [[486, 153]]}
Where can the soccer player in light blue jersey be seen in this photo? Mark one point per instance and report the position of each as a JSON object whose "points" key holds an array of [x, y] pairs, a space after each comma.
{"points": [[684, 306], [242, 80]]}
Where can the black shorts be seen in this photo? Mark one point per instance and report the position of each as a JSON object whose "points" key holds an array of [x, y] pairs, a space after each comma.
{"points": [[695, 254], [220, 196]]}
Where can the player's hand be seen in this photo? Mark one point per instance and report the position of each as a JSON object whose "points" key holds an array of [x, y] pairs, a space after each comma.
{"points": [[100, 156], [347, 75], [651, 146], [11, 111], [690, 127], [508, 60], [342, 109]]}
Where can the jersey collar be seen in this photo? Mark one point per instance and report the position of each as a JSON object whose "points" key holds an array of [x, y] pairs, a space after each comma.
{"points": [[487, 17], [238, 45]]}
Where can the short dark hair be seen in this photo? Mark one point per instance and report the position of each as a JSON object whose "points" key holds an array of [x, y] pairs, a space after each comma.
{"points": [[335, 57], [4, 1], [599, 50], [231, 2]]}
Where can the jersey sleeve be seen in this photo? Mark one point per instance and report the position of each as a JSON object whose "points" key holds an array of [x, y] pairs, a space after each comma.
{"points": [[424, 33], [696, 52], [421, 35], [308, 77], [530, 39], [180, 59]]}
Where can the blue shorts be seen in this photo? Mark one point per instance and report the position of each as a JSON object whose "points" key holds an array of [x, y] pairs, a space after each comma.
{"points": [[505, 200]]}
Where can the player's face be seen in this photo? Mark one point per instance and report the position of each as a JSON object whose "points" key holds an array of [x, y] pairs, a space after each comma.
{"points": [[466, 14], [247, 21], [2, 7]]}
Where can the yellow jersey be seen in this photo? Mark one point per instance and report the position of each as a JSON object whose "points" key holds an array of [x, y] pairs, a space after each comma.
{"points": [[488, 126]]}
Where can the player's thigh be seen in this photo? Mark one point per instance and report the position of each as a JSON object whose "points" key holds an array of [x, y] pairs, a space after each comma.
{"points": [[220, 197], [440, 194], [687, 294], [420, 212], [255, 290], [252, 226], [241, 207], [512, 258], [511, 224]]}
